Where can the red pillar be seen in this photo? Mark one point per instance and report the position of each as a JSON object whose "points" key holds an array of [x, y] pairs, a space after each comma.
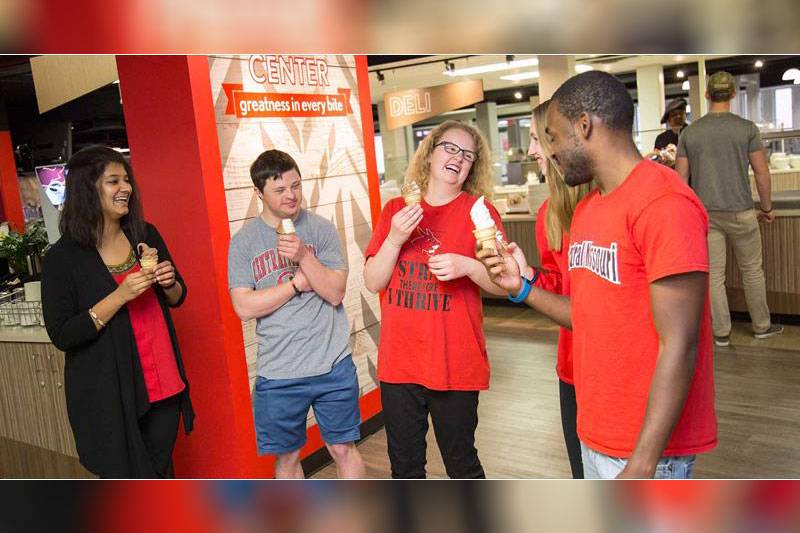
{"points": [[371, 402], [169, 116], [10, 200]]}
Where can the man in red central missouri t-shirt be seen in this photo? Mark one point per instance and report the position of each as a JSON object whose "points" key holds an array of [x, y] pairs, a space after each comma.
{"points": [[639, 312]]}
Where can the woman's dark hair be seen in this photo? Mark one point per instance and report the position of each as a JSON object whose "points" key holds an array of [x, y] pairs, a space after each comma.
{"points": [[271, 165], [82, 217]]}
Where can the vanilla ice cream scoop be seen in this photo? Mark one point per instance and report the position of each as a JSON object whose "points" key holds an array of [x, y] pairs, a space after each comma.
{"points": [[286, 227], [481, 218], [486, 233]]}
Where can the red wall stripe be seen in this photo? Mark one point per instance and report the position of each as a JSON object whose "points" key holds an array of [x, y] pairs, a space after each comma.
{"points": [[9, 185]]}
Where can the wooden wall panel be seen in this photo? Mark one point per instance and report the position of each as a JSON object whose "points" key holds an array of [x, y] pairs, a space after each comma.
{"points": [[332, 160]]}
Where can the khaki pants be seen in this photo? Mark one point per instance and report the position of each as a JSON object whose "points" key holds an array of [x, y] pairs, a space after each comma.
{"points": [[741, 228]]}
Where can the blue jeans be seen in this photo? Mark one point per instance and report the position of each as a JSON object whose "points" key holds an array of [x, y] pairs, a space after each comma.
{"points": [[600, 466]]}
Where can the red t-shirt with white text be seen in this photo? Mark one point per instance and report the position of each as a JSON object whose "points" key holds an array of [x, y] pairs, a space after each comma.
{"points": [[431, 330], [649, 227]]}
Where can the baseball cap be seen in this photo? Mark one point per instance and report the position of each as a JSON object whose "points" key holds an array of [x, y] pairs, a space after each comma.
{"points": [[721, 84], [677, 103]]}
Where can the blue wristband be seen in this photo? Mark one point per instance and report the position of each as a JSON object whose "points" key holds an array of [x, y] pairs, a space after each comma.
{"points": [[535, 276], [526, 289]]}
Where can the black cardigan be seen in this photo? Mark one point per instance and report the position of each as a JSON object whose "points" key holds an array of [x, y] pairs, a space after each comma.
{"points": [[103, 380]]}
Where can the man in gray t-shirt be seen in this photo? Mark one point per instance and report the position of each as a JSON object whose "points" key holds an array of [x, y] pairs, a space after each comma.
{"points": [[716, 151], [285, 269]]}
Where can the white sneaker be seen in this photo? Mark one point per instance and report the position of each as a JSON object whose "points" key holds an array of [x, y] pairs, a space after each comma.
{"points": [[774, 329], [722, 341]]}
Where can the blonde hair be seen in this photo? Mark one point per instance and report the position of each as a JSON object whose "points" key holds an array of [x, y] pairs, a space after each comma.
{"points": [[563, 198], [479, 181]]}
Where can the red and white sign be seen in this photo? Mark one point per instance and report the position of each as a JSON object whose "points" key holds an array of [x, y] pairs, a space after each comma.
{"points": [[251, 104]]}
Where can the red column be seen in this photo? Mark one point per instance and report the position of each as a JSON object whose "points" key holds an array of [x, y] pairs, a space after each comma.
{"points": [[10, 200], [370, 402], [169, 116]]}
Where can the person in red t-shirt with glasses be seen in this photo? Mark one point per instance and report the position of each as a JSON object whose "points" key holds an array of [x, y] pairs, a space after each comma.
{"points": [[639, 308], [432, 354]]}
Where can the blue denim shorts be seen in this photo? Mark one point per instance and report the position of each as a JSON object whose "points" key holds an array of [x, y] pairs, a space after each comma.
{"points": [[600, 466], [280, 408]]}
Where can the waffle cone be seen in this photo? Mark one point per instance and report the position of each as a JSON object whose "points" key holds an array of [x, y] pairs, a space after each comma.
{"points": [[486, 238]]}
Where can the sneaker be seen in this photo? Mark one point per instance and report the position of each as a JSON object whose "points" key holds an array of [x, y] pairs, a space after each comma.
{"points": [[774, 329], [722, 341]]}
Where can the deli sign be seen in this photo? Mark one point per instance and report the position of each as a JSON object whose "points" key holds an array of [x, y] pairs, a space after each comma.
{"points": [[410, 106]]}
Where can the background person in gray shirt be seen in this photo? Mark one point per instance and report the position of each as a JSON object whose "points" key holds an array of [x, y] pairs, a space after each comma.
{"points": [[293, 285], [716, 151]]}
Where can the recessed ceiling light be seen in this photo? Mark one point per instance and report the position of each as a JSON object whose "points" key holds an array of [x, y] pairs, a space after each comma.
{"points": [[681, 74], [518, 95], [759, 64]]}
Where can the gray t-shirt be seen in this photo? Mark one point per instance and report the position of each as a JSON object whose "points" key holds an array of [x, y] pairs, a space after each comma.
{"points": [[306, 336], [718, 147]]}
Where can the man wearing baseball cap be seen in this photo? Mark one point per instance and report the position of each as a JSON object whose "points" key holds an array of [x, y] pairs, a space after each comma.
{"points": [[716, 150]]}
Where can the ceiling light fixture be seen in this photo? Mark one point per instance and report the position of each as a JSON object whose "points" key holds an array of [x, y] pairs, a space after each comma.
{"points": [[518, 95], [521, 76], [680, 74], [493, 67], [685, 85], [792, 74], [759, 63]]}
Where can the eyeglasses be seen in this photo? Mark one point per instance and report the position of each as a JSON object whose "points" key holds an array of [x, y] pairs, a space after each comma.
{"points": [[454, 149]]}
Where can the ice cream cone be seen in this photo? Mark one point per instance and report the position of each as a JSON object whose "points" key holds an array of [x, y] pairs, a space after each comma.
{"points": [[486, 238], [148, 262], [412, 193], [148, 257], [286, 227]]}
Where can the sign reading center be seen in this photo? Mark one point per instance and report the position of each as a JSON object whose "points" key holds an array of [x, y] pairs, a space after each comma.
{"points": [[407, 107]]}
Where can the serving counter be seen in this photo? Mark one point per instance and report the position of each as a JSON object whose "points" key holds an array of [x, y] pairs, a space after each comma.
{"points": [[35, 436], [781, 251]]}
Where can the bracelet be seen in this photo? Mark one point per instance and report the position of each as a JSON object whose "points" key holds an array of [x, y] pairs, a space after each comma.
{"points": [[296, 290], [766, 212], [535, 277], [526, 289], [96, 318]]}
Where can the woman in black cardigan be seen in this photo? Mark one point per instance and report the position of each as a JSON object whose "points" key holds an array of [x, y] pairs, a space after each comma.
{"points": [[124, 382]]}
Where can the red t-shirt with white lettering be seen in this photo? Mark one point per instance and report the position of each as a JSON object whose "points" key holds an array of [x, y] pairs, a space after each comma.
{"points": [[649, 227], [431, 330], [553, 277]]}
